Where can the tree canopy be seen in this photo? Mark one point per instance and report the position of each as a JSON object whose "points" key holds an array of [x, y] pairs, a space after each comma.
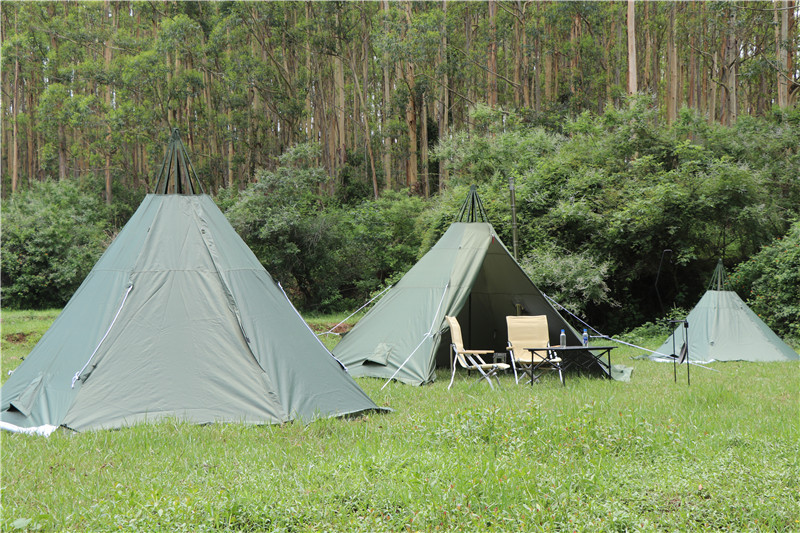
{"points": [[95, 87], [645, 140]]}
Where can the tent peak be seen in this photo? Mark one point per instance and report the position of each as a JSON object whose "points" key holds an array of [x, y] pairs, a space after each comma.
{"points": [[472, 208], [718, 279], [177, 167]]}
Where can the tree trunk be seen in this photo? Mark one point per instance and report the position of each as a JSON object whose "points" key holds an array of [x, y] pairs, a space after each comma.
{"points": [[712, 98], [549, 63], [107, 64], [339, 106], [470, 86], [386, 156], [693, 96], [672, 68], [521, 95], [782, 48], [492, 56], [30, 133], [575, 56], [732, 61], [412, 181], [14, 125], [537, 64], [443, 108], [633, 84], [424, 147]]}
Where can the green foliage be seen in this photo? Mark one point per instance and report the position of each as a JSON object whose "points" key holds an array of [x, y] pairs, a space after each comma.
{"points": [[53, 234], [329, 256], [282, 218], [654, 333], [597, 208], [573, 279], [771, 281]]}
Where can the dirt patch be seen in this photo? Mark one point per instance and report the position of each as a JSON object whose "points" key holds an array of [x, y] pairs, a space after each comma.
{"points": [[17, 338], [341, 328]]}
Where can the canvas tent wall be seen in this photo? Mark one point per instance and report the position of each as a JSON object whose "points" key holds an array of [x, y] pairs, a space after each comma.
{"points": [[468, 274], [723, 328], [178, 319]]}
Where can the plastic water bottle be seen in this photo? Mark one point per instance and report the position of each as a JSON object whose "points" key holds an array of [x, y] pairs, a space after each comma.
{"points": [[563, 339], [585, 338]]}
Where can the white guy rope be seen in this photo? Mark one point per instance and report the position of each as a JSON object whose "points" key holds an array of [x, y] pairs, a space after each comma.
{"points": [[428, 334], [303, 320], [606, 337], [330, 331], [77, 375]]}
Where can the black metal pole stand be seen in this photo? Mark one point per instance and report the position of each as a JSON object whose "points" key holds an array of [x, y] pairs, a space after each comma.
{"points": [[686, 336], [675, 355]]}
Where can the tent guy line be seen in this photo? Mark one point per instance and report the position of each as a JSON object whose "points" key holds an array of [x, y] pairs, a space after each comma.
{"points": [[332, 332], [428, 334], [77, 375], [344, 367], [606, 337]]}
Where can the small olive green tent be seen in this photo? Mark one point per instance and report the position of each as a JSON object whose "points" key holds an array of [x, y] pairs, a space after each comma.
{"points": [[178, 319], [723, 328], [468, 274]]}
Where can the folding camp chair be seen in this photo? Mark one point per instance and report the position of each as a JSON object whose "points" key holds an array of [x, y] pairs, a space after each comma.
{"points": [[524, 334], [471, 359]]}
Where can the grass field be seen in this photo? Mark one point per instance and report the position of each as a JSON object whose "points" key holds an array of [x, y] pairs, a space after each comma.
{"points": [[596, 455]]}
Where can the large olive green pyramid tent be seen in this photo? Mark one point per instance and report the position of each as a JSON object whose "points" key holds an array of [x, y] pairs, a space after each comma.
{"points": [[178, 319], [723, 328], [468, 274]]}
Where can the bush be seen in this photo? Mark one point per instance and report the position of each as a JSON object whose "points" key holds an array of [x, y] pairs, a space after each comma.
{"points": [[572, 279], [53, 235], [771, 281], [328, 256]]}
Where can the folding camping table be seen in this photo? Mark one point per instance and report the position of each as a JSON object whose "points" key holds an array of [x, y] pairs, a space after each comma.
{"points": [[597, 353]]}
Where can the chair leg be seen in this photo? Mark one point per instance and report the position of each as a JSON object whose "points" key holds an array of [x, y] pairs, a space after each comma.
{"points": [[453, 357]]}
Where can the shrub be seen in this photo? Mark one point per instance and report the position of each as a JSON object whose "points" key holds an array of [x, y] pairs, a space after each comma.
{"points": [[53, 234], [328, 256], [771, 281]]}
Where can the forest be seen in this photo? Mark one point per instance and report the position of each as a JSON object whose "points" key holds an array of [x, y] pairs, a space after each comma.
{"points": [[643, 140]]}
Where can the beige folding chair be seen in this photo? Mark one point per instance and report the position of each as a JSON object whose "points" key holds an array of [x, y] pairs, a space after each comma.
{"points": [[471, 359], [524, 333]]}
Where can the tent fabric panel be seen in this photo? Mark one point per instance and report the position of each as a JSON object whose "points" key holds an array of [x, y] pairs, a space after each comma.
{"points": [[400, 329], [124, 250], [770, 345], [64, 348], [231, 252], [723, 328], [437, 285], [309, 382], [306, 378], [181, 354]]}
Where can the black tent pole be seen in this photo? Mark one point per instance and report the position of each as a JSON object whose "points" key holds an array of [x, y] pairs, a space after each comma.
{"points": [[674, 360], [686, 336]]}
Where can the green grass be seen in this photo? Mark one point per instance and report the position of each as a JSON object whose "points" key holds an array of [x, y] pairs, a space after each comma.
{"points": [[596, 455]]}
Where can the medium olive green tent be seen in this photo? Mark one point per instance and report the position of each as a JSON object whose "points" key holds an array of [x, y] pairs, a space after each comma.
{"points": [[178, 319], [468, 274], [723, 328]]}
